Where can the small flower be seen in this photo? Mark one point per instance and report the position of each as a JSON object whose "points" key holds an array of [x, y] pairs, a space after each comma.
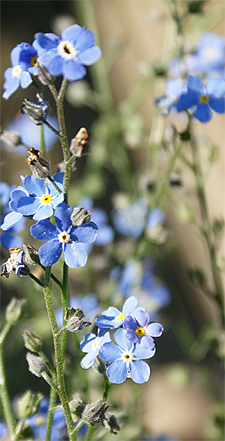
{"points": [[35, 199], [112, 318], [9, 239], [139, 331], [202, 98], [36, 110], [92, 344], [24, 62], [130, 220], [15, 263], [126, 360], [63, 237], [174, 89], [38, 422], [67, 55]]}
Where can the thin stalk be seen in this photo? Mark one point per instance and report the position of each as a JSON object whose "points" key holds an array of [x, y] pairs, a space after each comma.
{"points": [[65, 304], [107, 389], [91, 429], [51, 127], [58, 355], [7, 410], [36, 280], [52, 403], [19, 429], [42, 142], [54, 183]]}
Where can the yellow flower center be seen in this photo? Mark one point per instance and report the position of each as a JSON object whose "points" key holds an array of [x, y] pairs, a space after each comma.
{"points": [[127, 356], [34, 61], [96, 343], [204, 99], [120, 317], [64, 237], [46, 199], [140, 332], [66, 50], [16, 71]]}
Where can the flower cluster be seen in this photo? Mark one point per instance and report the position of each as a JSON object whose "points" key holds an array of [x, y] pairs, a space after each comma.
{"points": [[134, 342], [64, 56]]}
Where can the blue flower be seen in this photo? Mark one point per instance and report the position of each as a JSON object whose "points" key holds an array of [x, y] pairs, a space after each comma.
{"points": [[139, 331], [112, 318], [202, 98], [88, 304], [126, 360], [9, 239], [30, 134], [19, 73], [38, 422], [36, 199], [67, 55], [174, 89], [15, 263], [92, 344], [63, 237], [130, 220]]}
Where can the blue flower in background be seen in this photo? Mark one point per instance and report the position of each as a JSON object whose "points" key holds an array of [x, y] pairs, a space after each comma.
{"points": [[63, 237], [30, 134], [126, 360], [203, 99], [92, 344], [174, 89], [112, 318], [9, 239], [130, 220], [38, 422], [19, 73], [67, 55], [89, 304], [138, 330], [35, 198]]}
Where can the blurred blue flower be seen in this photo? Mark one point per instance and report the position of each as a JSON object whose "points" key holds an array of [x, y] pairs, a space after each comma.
{"points": [[203, 99], [3, 431], [24, 62], [67, 55], [30, 134], [89, 304], [112, 318], [92, 344], [174, 89], [126, 360], [138, 330], [38, 422], [131, 220], [63, 237]]}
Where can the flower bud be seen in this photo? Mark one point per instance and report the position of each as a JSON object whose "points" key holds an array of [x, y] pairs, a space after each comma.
{"points": [[36, 110], [30, 254], [110, 423], [80, 216], [12, 139], [44, 76], [32, 342], [93, 413], [99, 366], [39, 166], [75, 320], [77, 406], [35, 364], [14, 310], [79, 144], [28, 404]]}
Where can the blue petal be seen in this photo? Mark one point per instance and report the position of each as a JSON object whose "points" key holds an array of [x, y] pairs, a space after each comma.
{"points": [[110, 352], [34, 185], [47, 41], [131, 335], [129, 305], [140, 352], [216, 87], [203, 113], [11, 241], [50, 252], [117, 372], [155, 329], [44, 230], [90, 56], [105, 235], [10, 220], [52, 61], [218, 104], [28, 205], [73, 70], [85, 233], [147, 342], [25, 79], [86, 39], [15, 54], [142, 317], [16, 195], [195, 85], [122, 341], [43, 212], [186, 101], [62, 216], [88, 360], [130, 323], [72, 33], [75, 255], [139, 371], [87, 343]]}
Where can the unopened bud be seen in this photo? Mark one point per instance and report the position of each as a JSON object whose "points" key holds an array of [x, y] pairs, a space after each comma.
{"points": [[12, 139], [99, 366], [14, 310], [80, 216], [35, 364], [79, 144], [28, 404], [75, 320], [93, 413], [36, 110], [32, 342], [44, 76], [110, 423], [77, 406], [30, 254], [39, 166]]}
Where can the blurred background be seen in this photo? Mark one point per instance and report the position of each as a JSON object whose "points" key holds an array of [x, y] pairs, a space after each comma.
{"points": [[185, 393]]}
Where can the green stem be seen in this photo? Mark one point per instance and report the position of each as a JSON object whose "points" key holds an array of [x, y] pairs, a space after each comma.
{"points": [[52, 402], [65, 304], [36, 280], [54, 183], [42, 142], [107, 388], [91, 429], [51, 127], [19, 429], [7, 410], [58, 355]]}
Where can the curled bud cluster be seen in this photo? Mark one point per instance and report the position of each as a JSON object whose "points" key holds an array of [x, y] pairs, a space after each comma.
{"points": [[39, 166]]}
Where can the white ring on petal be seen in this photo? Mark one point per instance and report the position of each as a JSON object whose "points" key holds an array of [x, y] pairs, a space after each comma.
{"points": [[64, 237], [16, 71], [67, 50]]}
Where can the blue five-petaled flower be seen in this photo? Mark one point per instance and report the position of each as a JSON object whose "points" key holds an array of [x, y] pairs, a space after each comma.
{"points": [[92, 344], [126, 359], [112, 318], [67, 55], [63, 237], [139, 330]]}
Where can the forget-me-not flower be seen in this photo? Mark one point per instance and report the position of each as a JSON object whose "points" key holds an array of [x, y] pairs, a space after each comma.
{"points": [[138, 330], [174, 88], [126, 359], [203, 99], [112, 318], [24, 63], [92, 344], [8, 238], [38, 422], [68, 55], [63, 237]]}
